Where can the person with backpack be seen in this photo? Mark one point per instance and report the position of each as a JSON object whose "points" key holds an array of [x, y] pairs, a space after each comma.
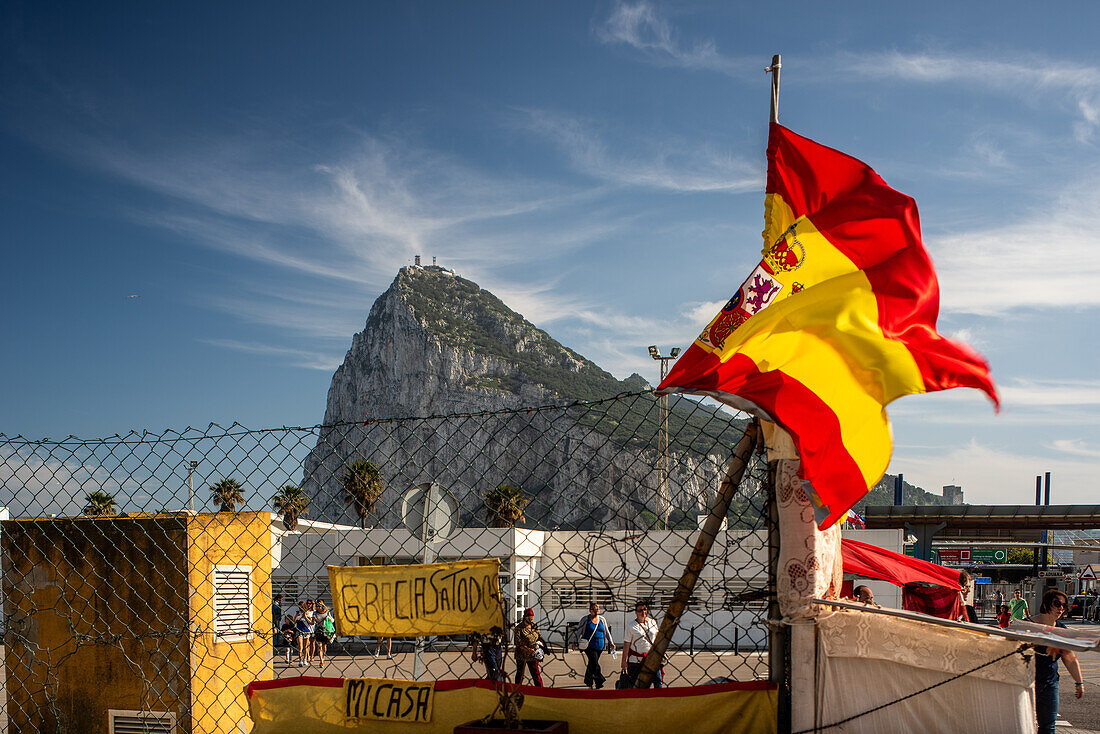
{"points": [[324, 631], [638, 642], [593, 636]]}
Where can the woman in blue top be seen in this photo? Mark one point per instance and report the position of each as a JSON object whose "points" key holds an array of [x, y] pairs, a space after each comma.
{"points": [[593, 636], [1053, 606]]}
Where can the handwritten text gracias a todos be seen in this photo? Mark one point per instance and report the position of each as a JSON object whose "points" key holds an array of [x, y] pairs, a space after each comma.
{"points": [[417, 600]]}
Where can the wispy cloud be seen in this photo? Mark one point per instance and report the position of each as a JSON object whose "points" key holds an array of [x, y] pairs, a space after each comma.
{"points": [[982, 158], [641, 27], [32, 486], [1048, 258], [297, 357], [1075, 447], [1077, 85], [1052, 393], [670, 163], [991, 475], [1023, 402], [347, 220]]}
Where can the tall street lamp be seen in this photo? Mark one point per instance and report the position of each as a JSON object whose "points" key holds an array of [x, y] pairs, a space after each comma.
{"points": [[191, 486], [662, 440]]}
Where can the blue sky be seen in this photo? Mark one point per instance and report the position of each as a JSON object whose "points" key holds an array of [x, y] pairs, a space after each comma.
{"points": [[199, 202]]}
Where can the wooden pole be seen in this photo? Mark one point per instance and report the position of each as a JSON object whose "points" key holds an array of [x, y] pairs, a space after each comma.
{"points": [[698, 560]]}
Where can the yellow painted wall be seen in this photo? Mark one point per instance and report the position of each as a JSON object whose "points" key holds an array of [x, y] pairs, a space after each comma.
{"points": [[97, 620], [220, 669]]}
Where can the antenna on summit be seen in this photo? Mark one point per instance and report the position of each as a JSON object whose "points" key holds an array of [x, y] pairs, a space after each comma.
{"points": [[416, 260]]}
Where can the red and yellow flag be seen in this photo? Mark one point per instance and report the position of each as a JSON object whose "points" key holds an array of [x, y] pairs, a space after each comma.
{"points": [[837, 320]]}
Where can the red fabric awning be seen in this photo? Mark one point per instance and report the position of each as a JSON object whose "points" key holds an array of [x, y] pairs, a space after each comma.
{"points": [[872, 562]]}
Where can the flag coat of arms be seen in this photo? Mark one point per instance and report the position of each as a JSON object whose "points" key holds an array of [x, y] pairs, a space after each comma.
{"points": [[836, 321]]}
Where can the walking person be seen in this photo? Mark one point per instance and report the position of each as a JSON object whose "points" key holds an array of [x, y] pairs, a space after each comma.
{"points": [[489, 648], [303, 627], [389, 648], [276, 622], [530, 649], [324, 630], [968, 613], [1017, 606], [593, 636], [290, 631], [1053, 606], [638, 642]]}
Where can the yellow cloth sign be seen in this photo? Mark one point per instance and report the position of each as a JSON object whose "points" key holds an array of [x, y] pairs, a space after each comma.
{"points": [[318, 706], [416, 601], [388, 700]]}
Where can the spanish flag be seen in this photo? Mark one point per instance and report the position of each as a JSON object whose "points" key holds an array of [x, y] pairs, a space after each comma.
{"points": [[836, 321]]}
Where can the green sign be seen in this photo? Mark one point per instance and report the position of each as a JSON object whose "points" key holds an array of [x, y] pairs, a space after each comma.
{"points": [[989, 555]]}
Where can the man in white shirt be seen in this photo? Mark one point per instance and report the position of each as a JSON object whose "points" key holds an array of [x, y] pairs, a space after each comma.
{"points": [[639, 640]]}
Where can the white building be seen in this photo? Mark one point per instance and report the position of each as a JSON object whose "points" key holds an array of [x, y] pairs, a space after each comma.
{"points": [[558, 573]]}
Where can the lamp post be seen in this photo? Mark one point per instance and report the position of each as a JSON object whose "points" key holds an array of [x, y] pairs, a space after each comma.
{"points": [[662, 441], [191, 486]]}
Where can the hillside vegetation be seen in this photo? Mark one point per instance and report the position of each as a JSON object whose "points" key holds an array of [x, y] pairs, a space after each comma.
{"points": [[460, 313]]}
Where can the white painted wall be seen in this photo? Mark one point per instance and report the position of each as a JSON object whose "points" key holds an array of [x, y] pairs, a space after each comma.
{"points": [[886, 594]]}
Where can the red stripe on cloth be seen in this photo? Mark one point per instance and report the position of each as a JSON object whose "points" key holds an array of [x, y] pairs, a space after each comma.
{"points": [[458, 685], [813, 426], [878, 229], [872, 562], [305, 680]]}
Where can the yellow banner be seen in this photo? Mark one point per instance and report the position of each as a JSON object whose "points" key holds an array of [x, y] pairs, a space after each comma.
{"points": [[319, 706], [416, 601], [388, 700]]}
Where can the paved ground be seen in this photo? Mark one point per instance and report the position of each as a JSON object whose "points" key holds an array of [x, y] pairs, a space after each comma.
{"points": [[1081, 715], [566, 670], [560, 670]]}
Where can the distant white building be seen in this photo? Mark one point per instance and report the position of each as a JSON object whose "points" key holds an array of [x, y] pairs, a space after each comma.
{"points": [[559, 573]]}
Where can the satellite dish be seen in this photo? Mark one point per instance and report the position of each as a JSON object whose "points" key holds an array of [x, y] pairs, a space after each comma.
{"points": [[429, 511]]}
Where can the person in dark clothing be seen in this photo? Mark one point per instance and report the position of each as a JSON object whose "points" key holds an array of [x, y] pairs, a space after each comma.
{"points": [[593, 636], [969, 615], [489, 648], [1053, 606]]}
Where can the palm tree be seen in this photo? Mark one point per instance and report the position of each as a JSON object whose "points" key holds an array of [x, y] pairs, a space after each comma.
{"points": [[363, 485], [504, 506], [291, 501], [227, 494], [99, 504]]}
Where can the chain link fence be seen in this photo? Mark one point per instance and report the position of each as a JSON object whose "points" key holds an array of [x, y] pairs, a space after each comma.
{"points": [[148, 577]]}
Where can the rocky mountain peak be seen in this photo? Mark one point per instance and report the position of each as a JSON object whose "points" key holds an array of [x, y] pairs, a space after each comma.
{"points": [[437, 344]]}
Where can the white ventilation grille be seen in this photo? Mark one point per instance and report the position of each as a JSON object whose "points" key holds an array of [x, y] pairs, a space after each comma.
{"points": [[140, 722], [233, 601]]}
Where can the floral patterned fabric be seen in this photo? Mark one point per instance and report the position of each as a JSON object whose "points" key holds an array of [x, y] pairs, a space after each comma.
{"points": [[867, 660], [810, 563]]}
